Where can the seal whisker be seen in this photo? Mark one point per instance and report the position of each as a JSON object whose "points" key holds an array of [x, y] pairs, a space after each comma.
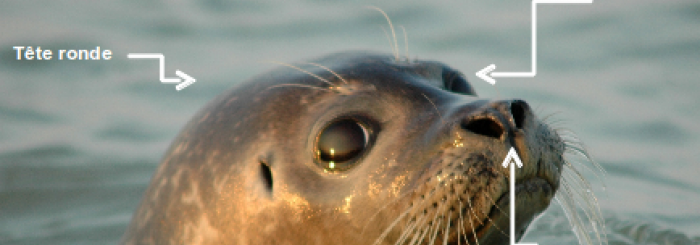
{"points": [[589, 206], [299, 86], [385, 206], [398, 219], [552, 120], [388, 38], [469, 203], [575, 147], [567, 199], [418, 237], [423, 232], [434, 107], [405, 43], [435, 233], [573, 217], [406, 233], [329, 70], [395, 47], [435, 225], [575, 176], [419, 232], [585, 167], [471, 224], [389, 228], [447, 229], [495, 205], [459, 225], [304, 71], [576, 195]]}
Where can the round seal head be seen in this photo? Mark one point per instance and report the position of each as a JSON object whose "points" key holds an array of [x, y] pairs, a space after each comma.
{"points": [[351, 148]]}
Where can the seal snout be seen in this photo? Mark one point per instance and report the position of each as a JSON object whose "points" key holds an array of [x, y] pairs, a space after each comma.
{"points": [[498, 118]]}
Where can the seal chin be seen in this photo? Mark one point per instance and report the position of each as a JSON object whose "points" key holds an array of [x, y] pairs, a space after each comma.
{"points": [[536, 192]]}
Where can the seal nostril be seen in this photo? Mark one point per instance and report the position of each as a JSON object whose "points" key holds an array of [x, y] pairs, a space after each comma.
{"points": [[266, 174], [517, 109], [484, 126]]}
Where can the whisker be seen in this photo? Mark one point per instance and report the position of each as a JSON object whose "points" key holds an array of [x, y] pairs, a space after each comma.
{"points": [[459, 225], [405, 41], [331, 71], [304, 71], [576, 197], [421, 233], [388, 229], [423, 236], [405, 234], [388, 38], [299, 86], [469, 203], [476, 239], [574, 220], [579, 149], [397, 220], [435, 225], [386, 206], [574, 173], [434, 106], [395, 48], [447, 229], [503, 212], [588, 203]]}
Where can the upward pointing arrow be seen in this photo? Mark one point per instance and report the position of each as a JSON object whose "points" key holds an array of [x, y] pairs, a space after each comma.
{"points": [[513, 157], [484, 73]]}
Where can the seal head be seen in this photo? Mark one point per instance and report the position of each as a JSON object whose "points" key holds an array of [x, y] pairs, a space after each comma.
{"points": [[351, 148]]}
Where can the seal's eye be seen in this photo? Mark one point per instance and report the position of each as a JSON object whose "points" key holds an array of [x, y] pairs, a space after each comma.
{"points": [[455, 82], [340, 143]]}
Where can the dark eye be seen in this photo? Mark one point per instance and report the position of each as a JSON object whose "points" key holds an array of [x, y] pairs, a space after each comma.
{"points": [[340, 143], [455, 82]]}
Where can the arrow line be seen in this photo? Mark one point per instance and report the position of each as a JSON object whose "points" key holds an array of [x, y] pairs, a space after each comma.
{"points": [[183, 83], [484, 73], [513, 157]]}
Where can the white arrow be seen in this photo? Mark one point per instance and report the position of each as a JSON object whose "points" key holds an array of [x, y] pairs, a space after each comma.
{"points": [[513, 157], [186, 79], [484, 73]]}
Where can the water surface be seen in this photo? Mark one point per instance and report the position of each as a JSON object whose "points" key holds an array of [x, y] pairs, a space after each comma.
{"points": [[80, 139]]}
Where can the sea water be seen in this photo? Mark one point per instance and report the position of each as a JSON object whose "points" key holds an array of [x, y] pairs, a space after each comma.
{"points": [[79, 140]]}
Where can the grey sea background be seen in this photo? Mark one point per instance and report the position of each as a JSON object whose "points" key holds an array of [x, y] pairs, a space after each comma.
{"points": [[79, 140]]}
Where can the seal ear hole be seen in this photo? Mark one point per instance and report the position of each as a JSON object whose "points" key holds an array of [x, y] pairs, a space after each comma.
{"points": [[485, 127], [455, 82], [266, 175]]}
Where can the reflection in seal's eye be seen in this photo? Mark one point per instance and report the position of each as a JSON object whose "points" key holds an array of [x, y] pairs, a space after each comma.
{"points": [[341, 142]]}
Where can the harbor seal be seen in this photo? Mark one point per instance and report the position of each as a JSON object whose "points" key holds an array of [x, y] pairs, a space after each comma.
{"points": [[351, 148]]}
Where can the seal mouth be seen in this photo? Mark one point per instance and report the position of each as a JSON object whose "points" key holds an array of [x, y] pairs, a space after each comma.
{"points": [[480, 230], [468, 201]]}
